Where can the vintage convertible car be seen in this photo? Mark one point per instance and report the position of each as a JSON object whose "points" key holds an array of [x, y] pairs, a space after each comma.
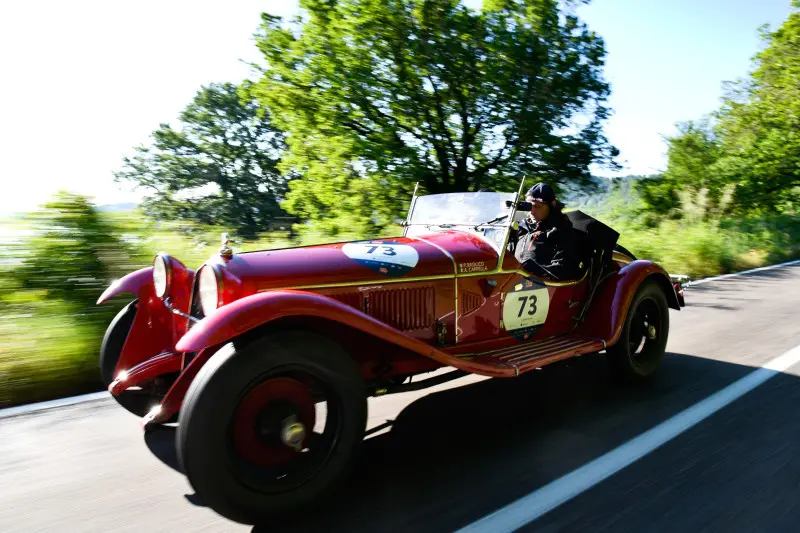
{"points": [[267, 359]]}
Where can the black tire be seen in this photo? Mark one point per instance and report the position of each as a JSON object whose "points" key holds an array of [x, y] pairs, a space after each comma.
{"points": [[136, 401], [636, 356], [224, 480]]}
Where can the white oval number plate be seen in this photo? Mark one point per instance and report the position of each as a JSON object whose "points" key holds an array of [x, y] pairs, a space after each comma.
{"points": [[386, 258], [525, 308]]}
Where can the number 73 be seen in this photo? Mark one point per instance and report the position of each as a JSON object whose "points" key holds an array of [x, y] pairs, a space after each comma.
{"points": [[530, 302]]}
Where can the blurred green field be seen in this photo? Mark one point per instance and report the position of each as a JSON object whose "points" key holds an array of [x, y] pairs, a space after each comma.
{"points": [[713, 248], [49, 339], [699, 246], [48, 345]]}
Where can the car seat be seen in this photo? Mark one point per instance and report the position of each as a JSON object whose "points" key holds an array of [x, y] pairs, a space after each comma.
{"points": [[594, 244]]}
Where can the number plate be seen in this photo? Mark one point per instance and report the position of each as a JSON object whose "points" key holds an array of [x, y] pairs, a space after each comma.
{"points": [[525, 307]]}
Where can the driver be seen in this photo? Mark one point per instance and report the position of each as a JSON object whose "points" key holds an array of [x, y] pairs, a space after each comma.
{"points": [[545, 246]]}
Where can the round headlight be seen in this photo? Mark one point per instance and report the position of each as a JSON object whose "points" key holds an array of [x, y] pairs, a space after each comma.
{"points": [[209, 290], [161, 275]]}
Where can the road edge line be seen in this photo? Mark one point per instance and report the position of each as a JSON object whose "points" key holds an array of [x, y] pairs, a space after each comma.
{"points": [[20, 410], [51, 404], [689, 284]]}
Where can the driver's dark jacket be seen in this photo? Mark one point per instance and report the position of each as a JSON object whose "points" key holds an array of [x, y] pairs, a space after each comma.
{"points": [[547, 248]]}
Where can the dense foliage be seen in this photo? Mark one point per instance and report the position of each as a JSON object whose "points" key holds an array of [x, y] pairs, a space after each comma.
{"points": [[744, 158], [219, 166], [374, 96], [51, 328], [377, 95], [72, 253]]}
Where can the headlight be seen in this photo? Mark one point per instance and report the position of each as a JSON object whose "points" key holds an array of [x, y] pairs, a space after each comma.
{"points": [[209, 290], [161, 275]]}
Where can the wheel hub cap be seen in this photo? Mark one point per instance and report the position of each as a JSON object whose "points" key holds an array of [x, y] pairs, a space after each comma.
{"points": [[269, 426], [293, 434], [651, 332]]}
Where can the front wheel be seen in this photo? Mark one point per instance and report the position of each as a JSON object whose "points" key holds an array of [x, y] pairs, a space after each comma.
{"points": [[643, 341], [270, 426]]}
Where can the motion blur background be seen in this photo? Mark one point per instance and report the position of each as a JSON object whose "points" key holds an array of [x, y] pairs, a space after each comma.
{"points": [[129, 130]]}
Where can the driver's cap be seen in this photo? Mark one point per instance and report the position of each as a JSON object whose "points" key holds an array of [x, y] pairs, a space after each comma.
{"points": [[541, 192]]}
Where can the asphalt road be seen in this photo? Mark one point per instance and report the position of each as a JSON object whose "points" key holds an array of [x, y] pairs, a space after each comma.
{"points": [[473, 446]]}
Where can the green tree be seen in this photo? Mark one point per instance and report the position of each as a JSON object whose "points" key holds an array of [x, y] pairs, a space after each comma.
{"points": [[218, 167], [692, 183], [745, 158], [376, 95], [72, 255], [760, 123]]}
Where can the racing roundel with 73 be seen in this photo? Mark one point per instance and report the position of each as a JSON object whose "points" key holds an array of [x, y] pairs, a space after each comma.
{"points": [[525, 308], [385, 258]]}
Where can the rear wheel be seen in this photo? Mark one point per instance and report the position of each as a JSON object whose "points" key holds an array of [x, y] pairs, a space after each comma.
{"points": [[137, 400], [270, 426], [643, 341]]}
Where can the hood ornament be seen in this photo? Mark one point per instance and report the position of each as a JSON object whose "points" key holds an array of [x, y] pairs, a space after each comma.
{"points": [[226, 252]]}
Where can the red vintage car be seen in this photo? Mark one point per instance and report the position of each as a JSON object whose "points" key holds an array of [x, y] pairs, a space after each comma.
{"points": [[267, 359]]}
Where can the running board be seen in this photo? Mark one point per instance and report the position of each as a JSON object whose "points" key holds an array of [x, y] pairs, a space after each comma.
{"points": [[515, 360]]}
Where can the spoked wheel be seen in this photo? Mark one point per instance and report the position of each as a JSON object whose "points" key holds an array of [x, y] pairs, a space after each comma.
{"points": [[138, 400], [269, 427], [641, 347]]}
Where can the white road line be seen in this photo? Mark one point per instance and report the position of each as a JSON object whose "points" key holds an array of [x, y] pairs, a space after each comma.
{"points": [[744, 272], [539, 502], [52, 404]]}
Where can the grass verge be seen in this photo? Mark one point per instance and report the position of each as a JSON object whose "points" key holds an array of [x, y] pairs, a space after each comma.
{"points": [[49, 350]]}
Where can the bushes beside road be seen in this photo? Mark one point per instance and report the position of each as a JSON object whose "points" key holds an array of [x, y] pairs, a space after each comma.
{"points": [[51, 277], [704, 249], [691, 240], [50, 332]]}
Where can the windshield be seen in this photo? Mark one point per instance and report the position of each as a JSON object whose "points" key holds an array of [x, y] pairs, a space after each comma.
{"points": [[459, 208], [461, 211]]}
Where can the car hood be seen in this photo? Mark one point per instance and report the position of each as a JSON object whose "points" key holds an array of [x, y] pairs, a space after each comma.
{"points": [[368, 261]]}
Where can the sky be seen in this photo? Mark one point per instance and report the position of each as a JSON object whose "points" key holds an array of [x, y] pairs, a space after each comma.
{"points": [[84, 82]]}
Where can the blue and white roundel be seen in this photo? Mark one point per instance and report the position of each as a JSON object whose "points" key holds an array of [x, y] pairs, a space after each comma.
{"points": [[385, 258]]}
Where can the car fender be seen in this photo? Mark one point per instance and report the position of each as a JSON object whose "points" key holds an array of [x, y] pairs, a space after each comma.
{"points": [[151, 332], [241, 316], [609, 308], [135, 283]]}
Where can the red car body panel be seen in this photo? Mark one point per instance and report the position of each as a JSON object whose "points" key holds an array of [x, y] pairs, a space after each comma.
{"points": [[441, 299], [607, 313], [132, 283], [302, 267], [248, 313], [164, 363], [485, 331], [173, 400], [479, 311], [470, 253], [151, 333], [155, 329], [180, 296], [413, 307], [253, 311]]}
